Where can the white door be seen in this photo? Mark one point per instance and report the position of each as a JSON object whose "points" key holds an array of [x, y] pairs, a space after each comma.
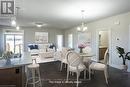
{"points": [[70, 40], [59, 41]]}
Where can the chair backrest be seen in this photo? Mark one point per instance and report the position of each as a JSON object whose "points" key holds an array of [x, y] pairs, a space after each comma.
{"points": [[73, 59], [64, 51], [106, 57]]}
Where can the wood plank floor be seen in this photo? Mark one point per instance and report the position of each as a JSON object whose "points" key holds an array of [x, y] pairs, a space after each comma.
{"points": [[52, 77]]}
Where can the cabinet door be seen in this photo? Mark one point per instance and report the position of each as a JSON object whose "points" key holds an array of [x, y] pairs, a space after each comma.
{"points": [[11, 77]]}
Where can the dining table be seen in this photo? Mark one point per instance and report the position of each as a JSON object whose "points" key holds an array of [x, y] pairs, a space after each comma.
{"points": [[86, 55], [86, 58]]}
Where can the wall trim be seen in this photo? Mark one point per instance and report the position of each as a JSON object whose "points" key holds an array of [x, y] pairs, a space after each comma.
{"points": [[115, 66]]}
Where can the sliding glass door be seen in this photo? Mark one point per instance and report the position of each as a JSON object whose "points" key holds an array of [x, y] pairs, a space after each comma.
{"points": [[14, 43]]}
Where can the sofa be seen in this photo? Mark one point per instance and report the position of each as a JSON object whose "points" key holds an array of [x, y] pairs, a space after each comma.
{"points": [[42, 50]]}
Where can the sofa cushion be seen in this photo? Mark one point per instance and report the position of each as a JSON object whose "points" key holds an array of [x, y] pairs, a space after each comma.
{"points": [[31, 47], [35, 46]]}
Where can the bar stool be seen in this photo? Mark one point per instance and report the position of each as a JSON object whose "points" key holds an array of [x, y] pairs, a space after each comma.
{"points": [[33, 75]]}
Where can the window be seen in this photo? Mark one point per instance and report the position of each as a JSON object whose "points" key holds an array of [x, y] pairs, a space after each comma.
{"points": [[70, 40], [13, 42], [59, 41]]}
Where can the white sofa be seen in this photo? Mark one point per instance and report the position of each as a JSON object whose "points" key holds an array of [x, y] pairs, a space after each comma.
{"points": [[43, 50]]}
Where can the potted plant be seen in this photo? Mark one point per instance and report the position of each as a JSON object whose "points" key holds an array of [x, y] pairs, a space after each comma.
{"points": [[124, 56]]}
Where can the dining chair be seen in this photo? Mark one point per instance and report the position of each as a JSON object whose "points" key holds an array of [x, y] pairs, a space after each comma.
{"points": [[87, 60], [63, 57], [100, 66], [75, 65]]}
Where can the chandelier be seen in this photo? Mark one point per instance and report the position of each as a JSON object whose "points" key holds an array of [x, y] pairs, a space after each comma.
{"points": [[83, 27]]}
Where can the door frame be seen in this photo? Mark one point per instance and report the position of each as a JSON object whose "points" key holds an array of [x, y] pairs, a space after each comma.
{"points": [[109, 43]]}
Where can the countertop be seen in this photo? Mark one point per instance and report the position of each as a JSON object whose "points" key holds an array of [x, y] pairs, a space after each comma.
{"points": [[24, 60]]}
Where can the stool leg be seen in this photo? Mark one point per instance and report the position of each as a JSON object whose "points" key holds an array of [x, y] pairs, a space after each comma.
{"points": [[39, 77], [27, 78], [33, 77]]}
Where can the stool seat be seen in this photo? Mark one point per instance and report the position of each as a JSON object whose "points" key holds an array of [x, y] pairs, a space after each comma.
{"points": [[33, 66]]}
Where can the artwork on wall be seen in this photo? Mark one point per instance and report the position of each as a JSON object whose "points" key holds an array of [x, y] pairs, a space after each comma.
{"points": [[84, 38], [41, 37]]}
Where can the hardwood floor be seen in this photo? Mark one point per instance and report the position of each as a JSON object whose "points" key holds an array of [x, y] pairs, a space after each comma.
{"points": [[52, 77]]}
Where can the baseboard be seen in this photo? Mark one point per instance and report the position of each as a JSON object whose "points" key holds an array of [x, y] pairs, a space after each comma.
{"points": [[115, 66]]}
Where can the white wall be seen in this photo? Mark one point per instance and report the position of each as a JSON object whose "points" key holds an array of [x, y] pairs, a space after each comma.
{"points": [[117, 31]]}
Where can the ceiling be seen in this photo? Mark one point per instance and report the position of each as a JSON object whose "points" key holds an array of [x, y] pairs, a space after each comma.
{"points": [[64, 14]]}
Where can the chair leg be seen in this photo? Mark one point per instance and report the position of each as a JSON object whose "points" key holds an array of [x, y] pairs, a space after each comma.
{"points": [[26, 83], [71, 73], [67, 74], [84, 74], [65, 65], [105, 73], [78, 74], [61, 66], [89, 74]]}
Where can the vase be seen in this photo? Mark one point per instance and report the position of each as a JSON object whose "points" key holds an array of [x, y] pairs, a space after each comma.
{"points": [[81, 50]]}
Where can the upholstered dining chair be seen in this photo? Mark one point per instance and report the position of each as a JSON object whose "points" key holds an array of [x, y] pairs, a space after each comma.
{"points": [[100, 66], [63, 57], [87, 60], [75, 64]]}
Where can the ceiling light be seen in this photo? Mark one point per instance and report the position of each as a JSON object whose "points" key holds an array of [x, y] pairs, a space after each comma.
{"points": [[83, 27], [39, 25], [13, 23], [17, 28]]}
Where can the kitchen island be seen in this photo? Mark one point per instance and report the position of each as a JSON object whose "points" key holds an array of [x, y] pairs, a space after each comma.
{"points": [[12, 71]]}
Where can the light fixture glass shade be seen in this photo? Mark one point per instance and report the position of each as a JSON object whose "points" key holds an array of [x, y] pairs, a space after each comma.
{"points": [[85, 28], [17, 28], [39, 25], [13, 23], [78, 29], [82, 28]]}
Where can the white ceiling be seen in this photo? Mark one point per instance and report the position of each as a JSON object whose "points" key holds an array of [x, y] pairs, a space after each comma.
{"points": [[63, 14]]}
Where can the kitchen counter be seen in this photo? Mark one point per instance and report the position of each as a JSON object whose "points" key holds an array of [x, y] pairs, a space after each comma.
{"points": [[12, 71], [24, 60]]}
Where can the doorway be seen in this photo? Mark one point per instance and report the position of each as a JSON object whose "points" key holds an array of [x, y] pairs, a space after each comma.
{"points": [[103, 42], [59, 42]]}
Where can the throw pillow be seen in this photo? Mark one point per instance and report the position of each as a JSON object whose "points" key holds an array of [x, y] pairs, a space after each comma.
{"points": [[31, 47], [35, 46]]}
